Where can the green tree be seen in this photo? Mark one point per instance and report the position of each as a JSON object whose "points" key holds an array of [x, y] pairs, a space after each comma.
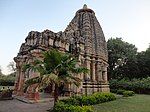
{"points": [[12, 67], [121, 58], [143, 59], [1, 74], [56, 68]]}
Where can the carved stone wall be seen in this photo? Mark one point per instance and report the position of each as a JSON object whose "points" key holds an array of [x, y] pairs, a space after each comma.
{"points": [[84, 38]]}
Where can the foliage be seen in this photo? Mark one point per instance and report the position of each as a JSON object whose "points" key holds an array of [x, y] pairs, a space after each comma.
{"points": [[141, 86], [7, 80], [125, 93], [6, 94], [1, 74], [125, 62], [143, 63], [12, 67], [62, 107], [120, 91], [128, 93], [81, 103], [72, 101], [56, 68], [121, 56], [91, 99]]}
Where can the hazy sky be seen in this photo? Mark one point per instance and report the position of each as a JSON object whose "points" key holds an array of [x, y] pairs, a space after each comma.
{"points": [[129, 19]]}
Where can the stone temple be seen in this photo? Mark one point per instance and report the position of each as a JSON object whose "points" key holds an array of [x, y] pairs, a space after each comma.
{"points": [[84, 38]]}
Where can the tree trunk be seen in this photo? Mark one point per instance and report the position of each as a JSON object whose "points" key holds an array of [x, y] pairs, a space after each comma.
{"points": [[56, 94]]}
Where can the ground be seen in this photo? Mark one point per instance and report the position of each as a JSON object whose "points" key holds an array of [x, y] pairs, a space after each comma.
{"points": [[18, 106], [137, 103]]}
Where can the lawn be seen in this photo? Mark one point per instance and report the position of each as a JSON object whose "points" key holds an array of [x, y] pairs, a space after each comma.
{"points": [[137, 103]]}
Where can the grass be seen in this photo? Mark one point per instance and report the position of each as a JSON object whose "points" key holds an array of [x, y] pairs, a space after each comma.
{"points": [[137, 103]]}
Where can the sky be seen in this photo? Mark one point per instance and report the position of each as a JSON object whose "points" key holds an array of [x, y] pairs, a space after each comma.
{"points": [[128, 19]]}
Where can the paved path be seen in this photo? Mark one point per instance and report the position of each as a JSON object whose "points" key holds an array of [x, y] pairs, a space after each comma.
{"points": [[18, 106]]}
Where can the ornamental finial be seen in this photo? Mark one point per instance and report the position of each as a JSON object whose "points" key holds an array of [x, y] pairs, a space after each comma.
{"points": [[85, 6]]}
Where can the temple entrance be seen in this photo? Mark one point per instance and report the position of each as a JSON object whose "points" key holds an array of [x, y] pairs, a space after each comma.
{"points": [[63, 90]]}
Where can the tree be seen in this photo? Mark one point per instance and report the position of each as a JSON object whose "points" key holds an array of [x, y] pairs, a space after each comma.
{"points": [[121, 58], [12, 66], [56, 68], [1, 74], [144, 63]]}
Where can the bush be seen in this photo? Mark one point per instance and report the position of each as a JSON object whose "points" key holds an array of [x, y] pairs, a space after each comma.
{"points": [[140, 86], [100, 97], [7, 81], [120, 91], [62, 107], [81, 103], [113, 90], [128, 93], [71, 101], [90, 100], [110, 96], [6, 94]]}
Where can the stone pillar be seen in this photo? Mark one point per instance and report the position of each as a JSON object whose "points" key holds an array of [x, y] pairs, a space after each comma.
{"points": [[98, 71], [87, 65], [105, 74], [93, 78], [93, 75], [80, 88], [21, 83], [98, 74], [87, 76], [21, 77], [16, 82]]}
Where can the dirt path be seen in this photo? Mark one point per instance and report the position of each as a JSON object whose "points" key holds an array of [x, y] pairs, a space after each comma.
{"points": [[18, 106]]}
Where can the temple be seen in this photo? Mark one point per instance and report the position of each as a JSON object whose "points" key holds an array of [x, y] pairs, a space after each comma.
{"points": [[84, 38]]}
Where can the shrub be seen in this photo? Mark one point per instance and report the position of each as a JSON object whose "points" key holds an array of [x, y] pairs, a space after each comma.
{"points": [[100, 97], [110, 96], [128, 93], [91, 99], [71, 101], [62, 107], [87, 109], [81, 103], [140, 86], [7, 81], [120, 91], [6, 94], [88, 100], [113, 90]]}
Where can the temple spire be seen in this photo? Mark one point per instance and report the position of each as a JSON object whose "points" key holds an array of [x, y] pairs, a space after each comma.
{"points": [[85, 6]]}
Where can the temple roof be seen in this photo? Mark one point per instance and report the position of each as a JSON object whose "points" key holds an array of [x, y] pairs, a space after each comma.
{"points": [[86, 23], [83, 29]]}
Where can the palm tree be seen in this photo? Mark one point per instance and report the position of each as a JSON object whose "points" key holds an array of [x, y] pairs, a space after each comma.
{"points": [[56, 68]]}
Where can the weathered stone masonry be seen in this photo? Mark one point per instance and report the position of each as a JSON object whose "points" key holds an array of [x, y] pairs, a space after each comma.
{"points": [[84, 38]]}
